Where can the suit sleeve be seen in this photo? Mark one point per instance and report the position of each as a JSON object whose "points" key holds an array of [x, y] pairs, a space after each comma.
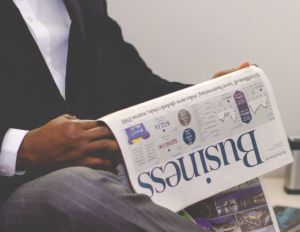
{"points": [[126, 79]]}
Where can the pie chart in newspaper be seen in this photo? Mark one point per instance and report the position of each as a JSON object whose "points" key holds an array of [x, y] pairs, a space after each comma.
{"points": [[184, 117], [189, 136]]}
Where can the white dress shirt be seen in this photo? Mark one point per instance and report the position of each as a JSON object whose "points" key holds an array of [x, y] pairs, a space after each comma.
{"points": [[49, 24]]}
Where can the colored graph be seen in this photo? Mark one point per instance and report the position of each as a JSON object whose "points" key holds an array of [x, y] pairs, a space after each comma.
{"points": [[226, 114]]}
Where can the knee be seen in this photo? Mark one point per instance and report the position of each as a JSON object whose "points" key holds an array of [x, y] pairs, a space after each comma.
{"points": [[80, 175], [78, 180], [73, 185], [71, 193]]}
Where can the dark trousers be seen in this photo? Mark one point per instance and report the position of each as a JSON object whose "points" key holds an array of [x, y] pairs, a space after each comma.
{"points": [[83, 199]]}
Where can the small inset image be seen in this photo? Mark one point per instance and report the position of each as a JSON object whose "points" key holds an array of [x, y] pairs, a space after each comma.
{"points": [[189, 136], [184, 117], [288, 218], [255, 219], [225, 224], [184, 214], [204, 224], [136, 133], [203, 209], [240, 200]]}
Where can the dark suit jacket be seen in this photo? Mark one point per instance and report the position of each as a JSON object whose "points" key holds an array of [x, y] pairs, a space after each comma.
{"points": [[104, 73]]}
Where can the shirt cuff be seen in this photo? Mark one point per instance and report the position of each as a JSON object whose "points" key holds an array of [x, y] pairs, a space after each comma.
{"points": [[9, 151]]}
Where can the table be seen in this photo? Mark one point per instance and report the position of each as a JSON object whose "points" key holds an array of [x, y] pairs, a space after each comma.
{"points": [[277, 194]]}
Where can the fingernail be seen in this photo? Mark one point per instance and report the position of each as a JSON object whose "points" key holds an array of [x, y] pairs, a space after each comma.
{"points": [[245, 64], [105, 131]]}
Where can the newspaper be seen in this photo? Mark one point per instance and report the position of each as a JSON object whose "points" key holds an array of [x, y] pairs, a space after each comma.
{"points": [[202, 140], [243, 208]]}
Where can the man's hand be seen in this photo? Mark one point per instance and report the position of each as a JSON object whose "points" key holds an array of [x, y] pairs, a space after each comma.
{"points": [[224, 72], [66, 141]]}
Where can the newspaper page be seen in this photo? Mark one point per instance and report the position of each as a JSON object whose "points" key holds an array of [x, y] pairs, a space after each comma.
{"points": [[288, 218], [202, 140], [242, 208]]}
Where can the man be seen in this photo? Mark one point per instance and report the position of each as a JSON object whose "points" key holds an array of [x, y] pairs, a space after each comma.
{"points": [[62, 65]]}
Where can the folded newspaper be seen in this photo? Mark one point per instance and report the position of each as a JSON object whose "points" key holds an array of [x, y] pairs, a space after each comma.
{"points": [[197, 142]]}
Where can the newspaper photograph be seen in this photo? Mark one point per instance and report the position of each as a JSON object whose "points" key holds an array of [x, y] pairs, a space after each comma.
{"points": [[202, 140], [243, 208], [288, 218]]}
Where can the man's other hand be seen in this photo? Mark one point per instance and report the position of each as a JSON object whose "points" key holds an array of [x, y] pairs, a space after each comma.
{"points": [[67, 141], [224, 72]]}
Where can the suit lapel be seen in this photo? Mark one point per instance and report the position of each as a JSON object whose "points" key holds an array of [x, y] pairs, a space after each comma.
{"points": [[86, 17], [16, 33], [76, 51], [75, 11]]}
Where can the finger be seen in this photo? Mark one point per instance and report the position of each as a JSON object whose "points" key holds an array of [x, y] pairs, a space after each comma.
{"points": [[88, 124], [92, 162], [97, 163], [106, 154], [224, 72], [244, 65], [102, 145], [67, 116], [98, 133]]}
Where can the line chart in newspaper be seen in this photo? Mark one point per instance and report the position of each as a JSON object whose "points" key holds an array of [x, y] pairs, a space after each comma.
{"points": [[202, 140]]}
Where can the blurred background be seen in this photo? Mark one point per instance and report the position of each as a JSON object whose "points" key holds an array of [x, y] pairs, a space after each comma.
{"points": [[188, 41]]}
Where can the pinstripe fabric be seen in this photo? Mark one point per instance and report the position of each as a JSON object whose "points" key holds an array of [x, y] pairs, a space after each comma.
{"points": [[82, 199]]}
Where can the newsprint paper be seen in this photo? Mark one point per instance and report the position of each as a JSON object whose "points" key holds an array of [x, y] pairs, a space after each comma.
{"points": [[243, 208], [189, 145]]}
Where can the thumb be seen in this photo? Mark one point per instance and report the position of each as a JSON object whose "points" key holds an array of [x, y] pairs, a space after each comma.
{"points": [[244, 65], [227, 71]]}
